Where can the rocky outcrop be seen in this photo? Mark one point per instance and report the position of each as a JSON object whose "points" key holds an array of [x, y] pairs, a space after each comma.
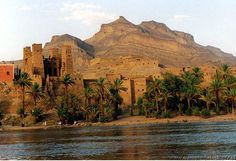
{"points": [[81, 51]]}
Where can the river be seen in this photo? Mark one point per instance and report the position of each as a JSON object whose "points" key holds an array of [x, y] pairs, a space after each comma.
{"points": [[157, 141]]}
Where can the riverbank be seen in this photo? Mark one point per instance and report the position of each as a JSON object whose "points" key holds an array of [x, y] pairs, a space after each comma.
{"points": [[131, 120]]}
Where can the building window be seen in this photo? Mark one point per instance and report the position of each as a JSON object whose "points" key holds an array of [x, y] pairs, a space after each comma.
{"points": [[8, 73]]}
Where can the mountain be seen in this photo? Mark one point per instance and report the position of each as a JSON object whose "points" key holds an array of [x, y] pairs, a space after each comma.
{"points": [[81, 51], [154, 40]]}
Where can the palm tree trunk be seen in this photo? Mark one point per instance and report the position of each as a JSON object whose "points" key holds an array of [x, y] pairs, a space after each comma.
{"points": [[165, 102], [145, 110], [139, 109], [180, 108], [66, 93], [89, 101], [86, 117], [101, 106], [207, 104], [115, 115], [217, 101], [131, 110], [86, 102], [35, 102], [157, 105], [189, 105], [23, 100], [233, 107]]}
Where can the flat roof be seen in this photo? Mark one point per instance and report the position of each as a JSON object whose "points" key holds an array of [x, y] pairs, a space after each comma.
{"points": [[6, 64]]}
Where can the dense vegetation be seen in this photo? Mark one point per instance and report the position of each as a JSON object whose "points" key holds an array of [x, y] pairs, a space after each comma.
{"points": [[167, 97], [184, 94]]}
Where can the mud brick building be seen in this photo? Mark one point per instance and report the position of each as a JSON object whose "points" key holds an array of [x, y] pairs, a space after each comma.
{"points": [[7, 73]]}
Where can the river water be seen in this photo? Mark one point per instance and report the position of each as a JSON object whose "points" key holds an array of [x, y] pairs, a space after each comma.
{"points": [[157, 141]]}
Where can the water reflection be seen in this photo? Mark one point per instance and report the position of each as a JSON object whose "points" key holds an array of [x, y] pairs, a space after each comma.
{"points": [[167, 141]]}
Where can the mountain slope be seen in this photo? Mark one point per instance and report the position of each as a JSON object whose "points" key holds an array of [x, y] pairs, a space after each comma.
{"points": [[81, 51], [153, 40]]}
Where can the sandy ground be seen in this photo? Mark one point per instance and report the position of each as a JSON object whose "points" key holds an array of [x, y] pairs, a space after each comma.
{"points": [[133, 120], [178, 119]]}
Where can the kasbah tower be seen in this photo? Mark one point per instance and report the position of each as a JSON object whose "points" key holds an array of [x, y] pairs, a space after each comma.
{"points": [[40, 69]]}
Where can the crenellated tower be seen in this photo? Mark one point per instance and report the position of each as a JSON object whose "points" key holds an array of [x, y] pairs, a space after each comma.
{"points": [[67, 61], [37, 60], [55, 62], [27, 60]]}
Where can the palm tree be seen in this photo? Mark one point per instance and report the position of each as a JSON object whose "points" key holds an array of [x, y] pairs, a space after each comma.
{"points": [[189, 88], [226, 71], [101, 91], [230, 81], [208, 98], [115, 89], [147, 103], [24, 81], [165, 95], [140, 105], [231, 95], [88, 94], [198, 73], [36, 93], [174, 84], [154, 88], [67, 81], [189, 92], [91, 113], [217, 87]]}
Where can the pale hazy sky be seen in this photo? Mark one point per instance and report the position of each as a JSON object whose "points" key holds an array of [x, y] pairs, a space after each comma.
{"points": [[23, 22]]}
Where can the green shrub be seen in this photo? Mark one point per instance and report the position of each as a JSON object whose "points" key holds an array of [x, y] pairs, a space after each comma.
{"points": [[62, 113], [158, 114], [103, 119], [166, 114], [37, 113], [140, 106], [94, 119], [142, 112], [188, 112], [205, 113], [93, 113], [196, 111], [20, 111]]}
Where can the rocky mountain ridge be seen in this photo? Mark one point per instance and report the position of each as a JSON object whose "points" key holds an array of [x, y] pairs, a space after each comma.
{"points": [[155, 41]]}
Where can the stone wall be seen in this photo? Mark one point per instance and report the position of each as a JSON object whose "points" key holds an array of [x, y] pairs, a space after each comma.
{"points": [[126, 95], [7, 73], [140, 87]]}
